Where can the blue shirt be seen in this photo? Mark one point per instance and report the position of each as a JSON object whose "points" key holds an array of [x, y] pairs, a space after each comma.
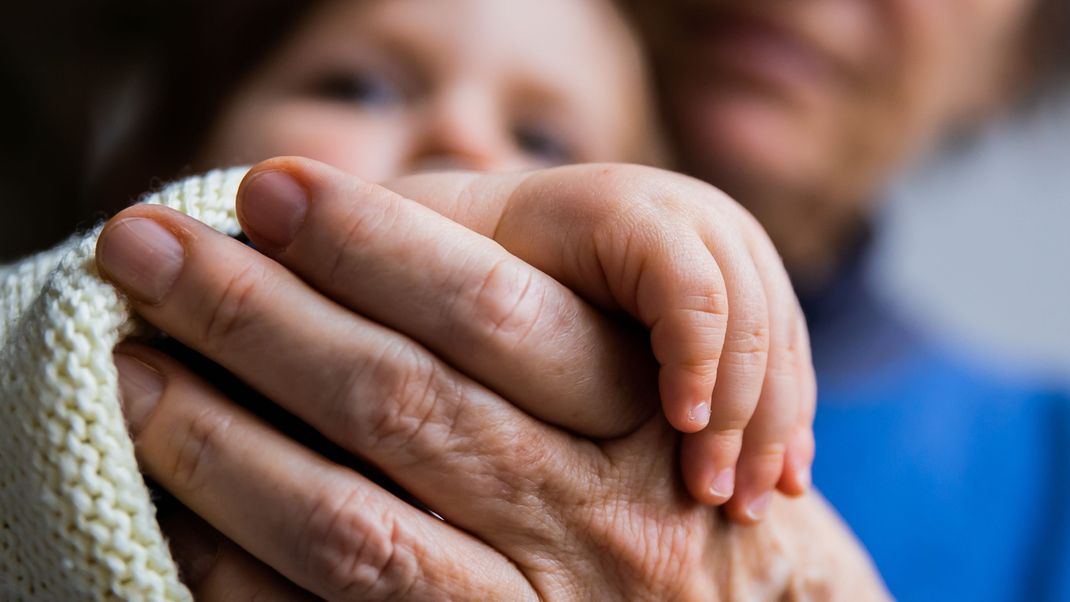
{"points": [[955, 478]]}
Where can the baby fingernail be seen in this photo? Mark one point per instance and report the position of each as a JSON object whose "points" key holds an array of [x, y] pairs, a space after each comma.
{"points": [[759, 506], [273, 207], [141, 257], [699, 415], [140, 388], [723, 484], [802, 476]]}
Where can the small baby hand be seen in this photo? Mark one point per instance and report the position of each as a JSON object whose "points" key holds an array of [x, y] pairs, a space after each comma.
{"points": [[697, 270]]}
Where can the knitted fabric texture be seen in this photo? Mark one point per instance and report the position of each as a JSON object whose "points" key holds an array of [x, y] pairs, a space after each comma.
{"points": [[76, 519]]}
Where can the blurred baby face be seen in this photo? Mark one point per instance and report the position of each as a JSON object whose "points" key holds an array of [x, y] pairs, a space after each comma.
{"points": [[822, 98], [381, 88]]}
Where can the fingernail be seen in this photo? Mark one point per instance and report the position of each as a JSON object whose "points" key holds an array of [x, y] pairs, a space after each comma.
{"points": [[141, 257], [759, 506], [723, 484], [802, 476], [699, 415], [140, 388], [273, 207]]}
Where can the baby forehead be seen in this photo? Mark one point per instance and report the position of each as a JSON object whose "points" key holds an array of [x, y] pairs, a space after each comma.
{"points": [[552, 38]]}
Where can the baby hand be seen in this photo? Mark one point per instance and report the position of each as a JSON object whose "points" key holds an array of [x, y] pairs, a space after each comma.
{"points": [[697, 270]]}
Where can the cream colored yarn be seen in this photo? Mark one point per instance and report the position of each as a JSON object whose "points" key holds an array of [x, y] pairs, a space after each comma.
{"points": [[76, 520]]}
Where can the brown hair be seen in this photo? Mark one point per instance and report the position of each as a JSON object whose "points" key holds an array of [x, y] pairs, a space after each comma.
{"points": [[120, 96], [106, 99], [194, 61], [194, 53]]}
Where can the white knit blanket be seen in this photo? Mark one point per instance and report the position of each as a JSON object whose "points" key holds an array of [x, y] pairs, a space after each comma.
{"points": [[76, 520]]}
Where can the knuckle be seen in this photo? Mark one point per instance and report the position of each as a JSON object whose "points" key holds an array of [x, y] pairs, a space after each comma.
{"points": [[402, 388], [781, 368], [729, 429], [364, 222], [706, 321], [703, 368], [506, 305], [710, 303], [637, 217], [195, 446], [628, 197], [749, 338], [231, 312], [793, 347], [354, 555], [767, 454], [692, 339], [522, 473], [637, 191], [620, 178]]}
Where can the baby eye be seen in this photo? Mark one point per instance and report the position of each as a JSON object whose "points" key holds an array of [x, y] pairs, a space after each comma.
{"points": [[363, 88], [543, 144]]}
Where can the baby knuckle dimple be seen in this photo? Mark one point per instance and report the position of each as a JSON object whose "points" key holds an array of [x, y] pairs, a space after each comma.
{"points": [[767, 453], [352, 554], [617, 177], [638, 219], [781, 356], [749, 337], [704, 368], [195, 447], [709, 302], [781, 371], [728, 431], [648, 192]]}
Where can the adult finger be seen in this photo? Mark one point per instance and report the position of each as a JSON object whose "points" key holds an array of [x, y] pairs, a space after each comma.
{"points": [[215, 569], [237, 576], [587, 225], [461, 295], [322, 526], [548, 219], [449, 442]]}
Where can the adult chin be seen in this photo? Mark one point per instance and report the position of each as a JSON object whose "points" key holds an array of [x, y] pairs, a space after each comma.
{"points": [[750, 144], [793, 164]]}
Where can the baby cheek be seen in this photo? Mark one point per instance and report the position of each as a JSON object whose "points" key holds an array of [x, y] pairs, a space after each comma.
{"points": [[369, 147]]}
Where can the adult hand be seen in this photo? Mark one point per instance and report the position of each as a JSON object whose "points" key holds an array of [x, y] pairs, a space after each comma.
{"points": [[530, 510]]}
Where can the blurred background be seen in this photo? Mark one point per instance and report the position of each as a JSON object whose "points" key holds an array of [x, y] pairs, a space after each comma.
{"points": [[976, 244], [78, 81], [976, 241]]}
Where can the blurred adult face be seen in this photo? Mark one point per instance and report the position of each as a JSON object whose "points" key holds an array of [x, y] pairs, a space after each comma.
{"points": [[815, 102]]}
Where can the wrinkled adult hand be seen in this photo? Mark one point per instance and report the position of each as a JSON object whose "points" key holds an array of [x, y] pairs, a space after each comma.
{"points": [[530, 510]]}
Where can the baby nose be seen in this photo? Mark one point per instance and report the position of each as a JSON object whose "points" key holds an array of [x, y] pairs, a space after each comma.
{"points": [[462, 130], [463, 146]]}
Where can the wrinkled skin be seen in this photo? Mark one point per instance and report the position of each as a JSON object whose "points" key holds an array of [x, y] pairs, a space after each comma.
{"points": [[531, 511]]}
